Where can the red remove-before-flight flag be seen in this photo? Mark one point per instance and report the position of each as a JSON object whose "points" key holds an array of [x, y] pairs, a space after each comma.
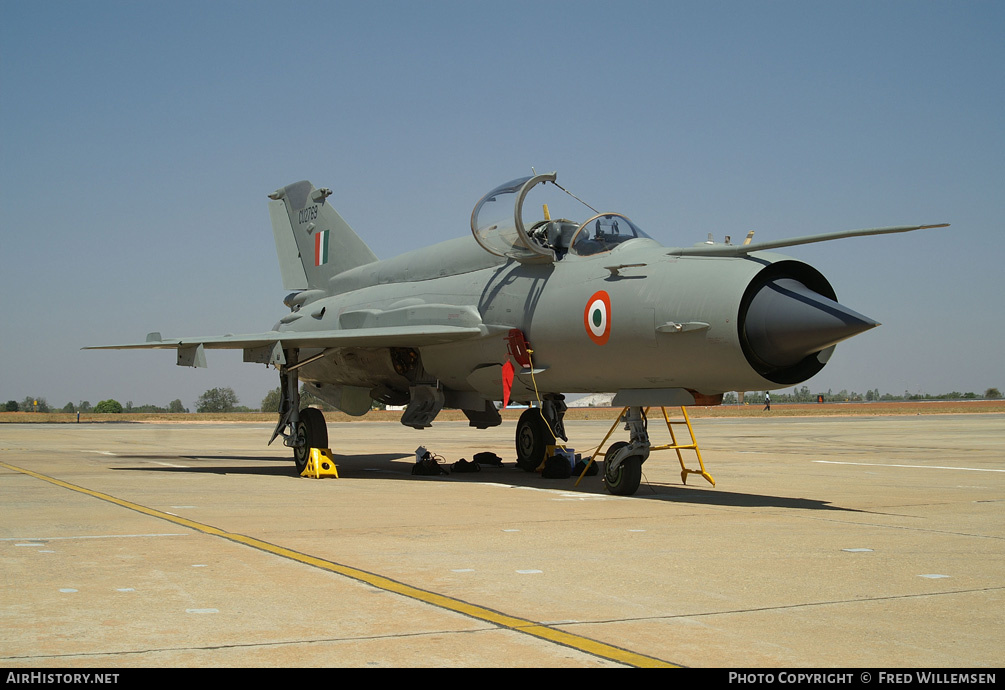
{"points": [[507, 381]]}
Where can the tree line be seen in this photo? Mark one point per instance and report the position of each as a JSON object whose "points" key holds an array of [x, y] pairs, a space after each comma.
{"points": [[804, 395], [213, 400], [225, 400]]}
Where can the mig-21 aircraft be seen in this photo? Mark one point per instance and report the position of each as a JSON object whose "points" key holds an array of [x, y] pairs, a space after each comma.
{"points": [[529, 309]]}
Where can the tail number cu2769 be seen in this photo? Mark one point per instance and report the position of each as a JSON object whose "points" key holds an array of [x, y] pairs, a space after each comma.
{"points": [[308, 214]]}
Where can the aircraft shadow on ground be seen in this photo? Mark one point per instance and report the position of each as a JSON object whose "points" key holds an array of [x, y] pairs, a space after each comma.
{"points": [[716, 497], [398, 467], [277, 465]]}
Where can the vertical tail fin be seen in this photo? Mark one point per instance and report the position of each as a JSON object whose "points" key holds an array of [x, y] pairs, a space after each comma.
{"points": [[313, 242]]}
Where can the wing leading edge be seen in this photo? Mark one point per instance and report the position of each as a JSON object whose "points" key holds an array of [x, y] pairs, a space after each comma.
{"points": [[268, 347], [742, 249]]}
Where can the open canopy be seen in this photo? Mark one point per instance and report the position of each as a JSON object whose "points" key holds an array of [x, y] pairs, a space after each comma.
{"points": [[497, 222]]}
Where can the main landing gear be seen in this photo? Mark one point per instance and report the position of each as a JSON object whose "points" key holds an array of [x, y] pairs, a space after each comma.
{"points": [[534, 431], [312, 432], [303, 429]]}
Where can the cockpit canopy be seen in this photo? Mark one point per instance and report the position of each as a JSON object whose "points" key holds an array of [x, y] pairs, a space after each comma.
{"points": [[602, 233], [498, 225]]}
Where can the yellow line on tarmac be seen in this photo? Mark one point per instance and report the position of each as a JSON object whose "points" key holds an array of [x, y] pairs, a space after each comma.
{"points": [[545, 632]]}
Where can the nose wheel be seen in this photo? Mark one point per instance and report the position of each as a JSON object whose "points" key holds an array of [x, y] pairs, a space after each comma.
{"points": [[623, 479]]}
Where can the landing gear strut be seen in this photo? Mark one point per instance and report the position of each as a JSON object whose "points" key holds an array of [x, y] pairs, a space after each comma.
{"points": [[303, 429]]}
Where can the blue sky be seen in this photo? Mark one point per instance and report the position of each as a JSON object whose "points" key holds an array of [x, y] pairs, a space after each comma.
{"points": [[138, 141]]}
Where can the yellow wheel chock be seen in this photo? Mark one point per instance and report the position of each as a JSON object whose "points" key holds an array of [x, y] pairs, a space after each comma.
{"points": [[320, 464], [674, 445]]}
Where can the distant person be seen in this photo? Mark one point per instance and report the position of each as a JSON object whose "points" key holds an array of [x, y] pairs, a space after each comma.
{"points": [[767, 402]]}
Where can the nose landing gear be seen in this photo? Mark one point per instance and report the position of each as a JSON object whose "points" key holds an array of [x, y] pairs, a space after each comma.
{"points": [[623, 460]]}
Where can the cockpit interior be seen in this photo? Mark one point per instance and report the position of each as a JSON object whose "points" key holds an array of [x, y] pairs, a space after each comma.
{"points": [[497, 223]]}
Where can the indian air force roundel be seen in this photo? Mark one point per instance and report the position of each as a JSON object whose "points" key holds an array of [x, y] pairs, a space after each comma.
{"points": [[597, 317]]}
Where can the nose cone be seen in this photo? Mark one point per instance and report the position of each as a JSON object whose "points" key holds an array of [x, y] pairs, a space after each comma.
{"points": [[786, 322]]}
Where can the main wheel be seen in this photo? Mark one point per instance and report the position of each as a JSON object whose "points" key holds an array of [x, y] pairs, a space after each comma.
{"points": [[314, 431], [625, 480], [531, 438]]}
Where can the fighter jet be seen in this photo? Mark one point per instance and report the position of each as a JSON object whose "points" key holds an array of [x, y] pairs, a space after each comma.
{"points": [[529, 308]]}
